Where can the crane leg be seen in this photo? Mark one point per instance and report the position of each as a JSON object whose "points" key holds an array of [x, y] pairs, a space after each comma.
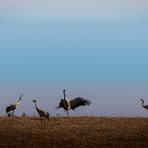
{"points": [[67, 113], [13, 113]]}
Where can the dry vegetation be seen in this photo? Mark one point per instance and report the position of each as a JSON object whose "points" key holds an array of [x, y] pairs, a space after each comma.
{"points": [[74, 132]]}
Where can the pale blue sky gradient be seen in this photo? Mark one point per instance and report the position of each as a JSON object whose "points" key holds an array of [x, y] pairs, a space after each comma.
{"points": [[94, 49]]}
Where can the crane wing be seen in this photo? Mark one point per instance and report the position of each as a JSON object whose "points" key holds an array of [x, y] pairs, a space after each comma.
{"points": [[12, 107], [42, 112], [76, 102]]}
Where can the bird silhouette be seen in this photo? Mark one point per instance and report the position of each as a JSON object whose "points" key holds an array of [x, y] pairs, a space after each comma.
{"points": [[10, 109], [42, 113], [144, 106], [72, 104]]}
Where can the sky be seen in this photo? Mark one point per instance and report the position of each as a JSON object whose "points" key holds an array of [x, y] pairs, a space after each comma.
{"points": [[94, 49]]}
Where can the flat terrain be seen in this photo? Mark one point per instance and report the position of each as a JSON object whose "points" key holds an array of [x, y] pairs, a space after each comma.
{"points": [[74, 132]]}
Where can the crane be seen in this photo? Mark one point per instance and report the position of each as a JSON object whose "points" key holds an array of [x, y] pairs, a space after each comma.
{"points": [[42, 113], [10, 109], [72, 104]]}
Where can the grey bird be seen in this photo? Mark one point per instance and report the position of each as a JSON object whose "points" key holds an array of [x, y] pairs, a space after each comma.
{"points": [[144, 106], [43, 114], [72, 104], [10, 109]]}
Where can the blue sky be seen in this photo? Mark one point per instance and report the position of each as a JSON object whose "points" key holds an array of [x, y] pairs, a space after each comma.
{"points": [[94, 49]]}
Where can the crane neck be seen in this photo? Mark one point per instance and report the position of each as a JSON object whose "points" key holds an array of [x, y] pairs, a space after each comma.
{"points": [[65, 98], [17, 103], [142, 103], [64, 94], [36, 106], [19, 99]]}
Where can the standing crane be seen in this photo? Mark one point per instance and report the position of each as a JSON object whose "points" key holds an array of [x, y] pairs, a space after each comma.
{"points": [[10, 109], [42, 114], [72, 104], [144, 106]]}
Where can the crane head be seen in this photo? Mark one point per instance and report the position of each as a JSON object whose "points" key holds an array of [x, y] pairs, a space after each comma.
{"points": [[33, 100], [142, 100], [64, 93]]}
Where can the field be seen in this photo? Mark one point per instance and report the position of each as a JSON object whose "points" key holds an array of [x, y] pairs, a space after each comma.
{"points": [[74, 132]]}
